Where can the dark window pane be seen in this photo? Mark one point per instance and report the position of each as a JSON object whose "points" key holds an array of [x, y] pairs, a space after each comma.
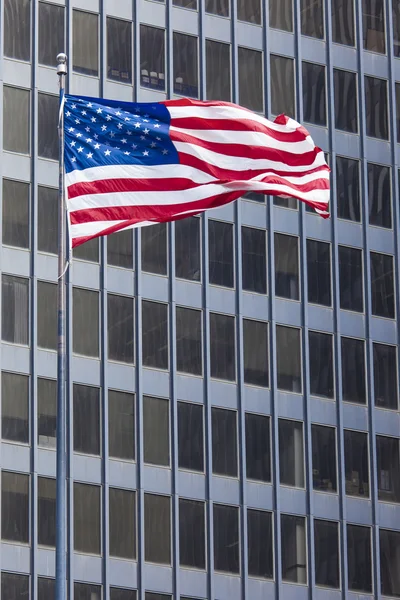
{"points": [[343, 22], [88, 251], [348, 189], [326, 540], [47, 412], [376, 107], [258, 447], [48, 107], [319, 272], [120, 249], [286, 266], [185, 4], [46, 512], [16, 120], [356, 463], [314, 93], [282, 85], [359, 562], [382, 283], [312, 18], [14, 507], [397, 107], [122, 594], [353, 371], [119, 50], [186, 74], [47, 239], [51, 37], [157, 529], [46, 589], [288, 358], [17, 29], [47, 315], [187, 249], [346, 115], [321, 364], [218, 71], [189, 353], [250, 65], [156, 430], [281, 14], [86, 419], [254, 260], [259, 543], [226, 538], [154, 249], [254, 197], [291, 453], [152, 57], [190, 437], [294, 554], [192, 536], [218, 7], [15, 407], [286, 203], [15, 310], [154, 334], [220, 247], [385, 376], [86, 591], [121, 425], [85, 322], [396, 28], [224, 442], [388, 460], [86, 518], [255, 351], [120, 328], [14, 587], [389, 545], [122, 523], [324, 458], [85, 42], [222, 347], [249, 10], [373, 15], [15, 213], [379, 196], [351, 279]]}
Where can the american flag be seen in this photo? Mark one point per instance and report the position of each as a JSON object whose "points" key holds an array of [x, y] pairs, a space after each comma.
{"points": [[134, 164]]}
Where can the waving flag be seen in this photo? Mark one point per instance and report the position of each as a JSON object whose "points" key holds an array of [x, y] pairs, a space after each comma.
{"points": [[133, 164]]}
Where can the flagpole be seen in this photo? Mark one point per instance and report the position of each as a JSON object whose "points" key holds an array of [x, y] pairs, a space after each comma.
{"points": [[61, 562]]}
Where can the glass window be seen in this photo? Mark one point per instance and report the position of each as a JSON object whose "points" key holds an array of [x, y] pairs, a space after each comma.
{"points": [[47, 232], [385, 376], [291, 453], [86, 518], [379, 196], [287, 266], [120, 249], [254, 197], [222, 347], [47, 315], [259, 543], [48, 107], [51, 35], [120, 328], [321, 364], [218, 7], [312, 18], [154, 334], [324, 458], [14, 587], [389, 546], [46, 512], [249, 10], [288, 358], [314, 93], [157, 529], [121, 425], [189, 352], [258, 447], [16, 120], [382, 283], [319, 272], [218, 71], [15, 407], [47, 412], [14, 507], [286, 203], [353, 371], [226, 538], [282, 85], [15, 310], [346, 115], [373, 15], [154, 249], [343, 22], [190, 437], [192, 535], [46, 588], [348, 189], [156, 430], [326, 540], [254, 260], [224, 442], [293, 548], [351, 279], [152, 57], [281, 14], [220, 253], [15, 213], [86, 591], [119, 50], [122, 594], [187, 249], [86, 419], [186, 76], [85, 322], [85, 42], [250, 66], [185, 4], [388, 460], [356, 463], [88, 251], [396, 28], [122, 523], [376, 107], [17, 29], [255, 351], [359, 561]]}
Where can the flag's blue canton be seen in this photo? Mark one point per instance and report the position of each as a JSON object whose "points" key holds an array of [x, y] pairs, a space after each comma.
{"points": [[105, 132]]}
